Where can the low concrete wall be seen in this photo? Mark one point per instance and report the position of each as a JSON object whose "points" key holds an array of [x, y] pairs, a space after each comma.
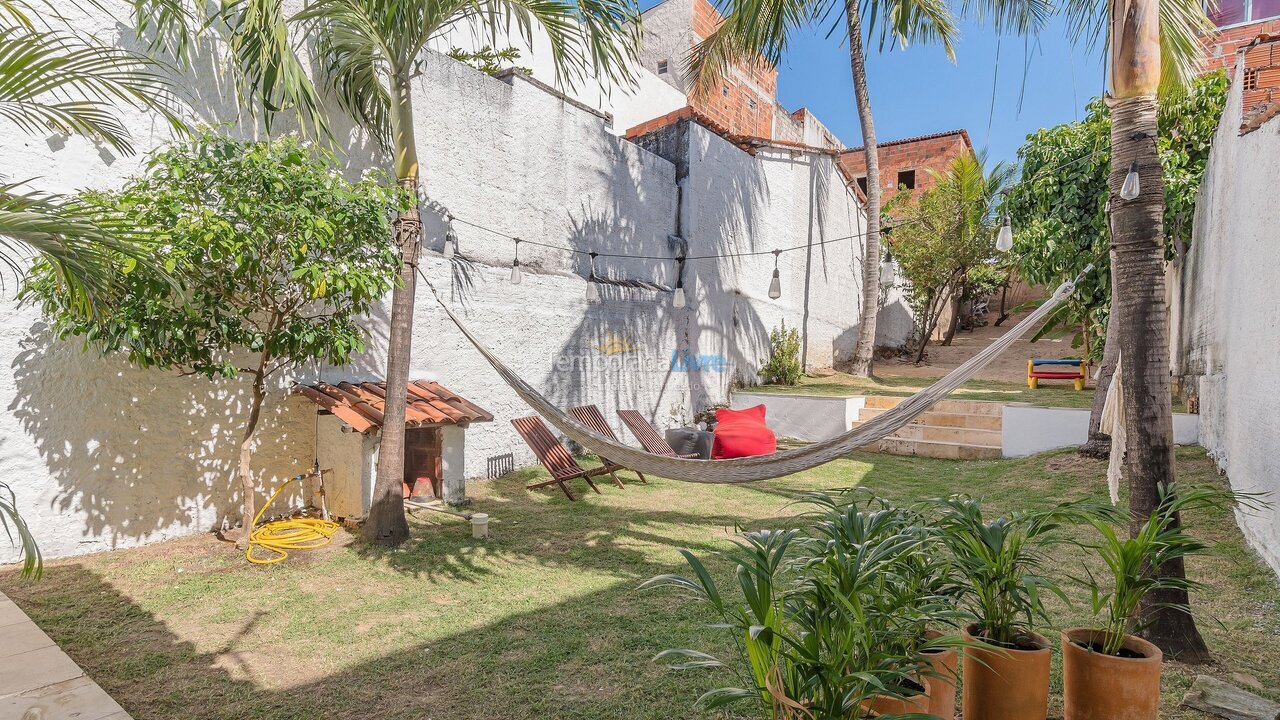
{"points": [[803, 417], [1029, 430]]}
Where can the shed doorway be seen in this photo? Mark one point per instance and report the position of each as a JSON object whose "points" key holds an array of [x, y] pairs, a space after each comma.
{"points": [[422, 471]]}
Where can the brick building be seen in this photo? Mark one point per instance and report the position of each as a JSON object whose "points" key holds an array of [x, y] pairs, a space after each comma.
{"points": [[907, 162], [746, 102], [1239, 22]]}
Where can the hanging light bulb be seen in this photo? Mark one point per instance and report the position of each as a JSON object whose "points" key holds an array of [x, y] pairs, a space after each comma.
{"points": [[677, 299], [593, 293], [886, 270], [775, 285], [1132, 185], [450, 245], [1004, 239], [515, 265]]}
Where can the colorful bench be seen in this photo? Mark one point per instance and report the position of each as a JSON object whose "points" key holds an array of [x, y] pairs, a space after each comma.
{"points": [[1035, 375]]}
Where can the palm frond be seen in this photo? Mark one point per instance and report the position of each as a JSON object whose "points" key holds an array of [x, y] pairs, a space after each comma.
{"points": [[19, 534], [267, 66], [65, 234], [52, 81], [1182, 24], [903, 22], [753, 30], [355, 59]]}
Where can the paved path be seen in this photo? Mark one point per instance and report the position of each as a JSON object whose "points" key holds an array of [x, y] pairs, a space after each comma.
{"points": [[39, 682]]}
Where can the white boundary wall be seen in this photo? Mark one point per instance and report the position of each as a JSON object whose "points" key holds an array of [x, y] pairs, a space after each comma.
{"points": [[103, 456], [1226, 342], [1027, 430]]}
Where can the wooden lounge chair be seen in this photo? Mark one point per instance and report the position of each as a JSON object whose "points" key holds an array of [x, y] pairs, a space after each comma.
{"points": [[648, 436], [555, 457], [590, 416]]}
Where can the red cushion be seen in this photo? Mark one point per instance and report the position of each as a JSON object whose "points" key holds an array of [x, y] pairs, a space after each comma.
{"points": [[742, 433]]}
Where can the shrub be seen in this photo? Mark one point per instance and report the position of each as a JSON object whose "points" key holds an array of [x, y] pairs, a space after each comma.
{"points": [[783, 367]]}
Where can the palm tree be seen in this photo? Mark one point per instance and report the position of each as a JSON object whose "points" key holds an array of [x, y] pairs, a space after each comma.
{"points": [[761, 29], [369, 51], [1154, 47]]}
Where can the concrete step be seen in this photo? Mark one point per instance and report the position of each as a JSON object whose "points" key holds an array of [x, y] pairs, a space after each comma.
{"points": [[963, 407], [971, 421], [935, 449], [959, 435]]}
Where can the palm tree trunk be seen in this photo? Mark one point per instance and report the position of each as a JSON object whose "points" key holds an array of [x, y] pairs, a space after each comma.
{"points": [[386, 524], [865, 350], [1139, 306]]}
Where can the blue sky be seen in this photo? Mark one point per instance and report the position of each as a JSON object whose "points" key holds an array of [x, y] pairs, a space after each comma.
{"points": [[917, 91]]}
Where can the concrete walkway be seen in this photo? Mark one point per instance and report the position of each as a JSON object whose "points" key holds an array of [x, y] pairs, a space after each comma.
{"points": [[39, 682]]}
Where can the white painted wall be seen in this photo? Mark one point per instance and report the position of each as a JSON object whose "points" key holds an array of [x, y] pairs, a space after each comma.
{"points": [[809, 418], [1226, 343], [1027, 430], [102, 456]]}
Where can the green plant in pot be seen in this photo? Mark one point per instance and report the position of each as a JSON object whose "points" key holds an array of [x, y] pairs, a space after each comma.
{"points": [[1107, 671], [1006, 668], [916, 601], [803, 624]]}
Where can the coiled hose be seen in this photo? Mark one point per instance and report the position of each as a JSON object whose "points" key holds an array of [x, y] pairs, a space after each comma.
{"points": [[281, 536]]}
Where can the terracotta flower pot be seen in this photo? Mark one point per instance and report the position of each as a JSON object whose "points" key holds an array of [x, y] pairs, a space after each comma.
{"points": [[885, 705], [942, 683], [1003, 683], [1106, 687]]}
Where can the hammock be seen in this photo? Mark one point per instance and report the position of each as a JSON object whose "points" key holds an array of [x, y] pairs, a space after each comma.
{"points": [[785, 462]]}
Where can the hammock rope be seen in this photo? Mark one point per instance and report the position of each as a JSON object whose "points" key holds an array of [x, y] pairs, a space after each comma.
{"points": [[765, 467]]}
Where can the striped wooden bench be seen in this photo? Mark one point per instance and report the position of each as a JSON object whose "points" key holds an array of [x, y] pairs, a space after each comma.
{"points": [[649, 438], [590, 416]]}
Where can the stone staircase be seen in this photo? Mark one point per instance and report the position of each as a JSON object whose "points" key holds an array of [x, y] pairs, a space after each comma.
{"points": [[951, 429]]}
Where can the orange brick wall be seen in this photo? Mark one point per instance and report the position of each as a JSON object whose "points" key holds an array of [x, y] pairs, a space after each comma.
{"points": [[1220, 49], [744, 103], [929, 153]]}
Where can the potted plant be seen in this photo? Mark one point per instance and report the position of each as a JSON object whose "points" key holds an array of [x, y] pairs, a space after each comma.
{"points": [[1106, 671], [1006, 666], [801, 623]]}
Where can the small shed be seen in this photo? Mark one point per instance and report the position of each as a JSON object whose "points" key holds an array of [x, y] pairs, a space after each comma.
{"points": [[347, 437]]}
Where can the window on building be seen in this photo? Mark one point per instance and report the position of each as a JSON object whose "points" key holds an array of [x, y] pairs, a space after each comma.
{"points": [[862, 184], [751, 103], [662, 67], [1235, 12], [907, 179], [725, 91], [1251, 78]]}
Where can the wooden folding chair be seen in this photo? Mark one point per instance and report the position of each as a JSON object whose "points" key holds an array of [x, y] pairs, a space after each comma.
{"points": [[554, 456], [649, 438], [590, 416]]}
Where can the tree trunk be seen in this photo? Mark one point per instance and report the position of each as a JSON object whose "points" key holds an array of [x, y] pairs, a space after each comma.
{"points": [[954, 323], [1138, 304], [1099, 444], [248, 492], [865, 351], [386, 524]]}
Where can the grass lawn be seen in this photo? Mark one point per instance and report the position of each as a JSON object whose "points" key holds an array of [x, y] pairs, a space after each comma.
{"points": [[1057, 394], [543, 620]]}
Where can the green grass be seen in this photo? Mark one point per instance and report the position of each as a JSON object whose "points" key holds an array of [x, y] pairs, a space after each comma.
{"points": [[541, 621], [1051, 394]]}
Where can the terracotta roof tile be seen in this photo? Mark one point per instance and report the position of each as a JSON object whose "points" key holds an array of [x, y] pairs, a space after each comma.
{"points": [[361, 405]]}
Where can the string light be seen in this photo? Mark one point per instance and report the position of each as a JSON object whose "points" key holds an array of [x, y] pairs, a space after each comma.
{"points": [[1132, 185], [1004, 239], [515, 264], [450, 243], [886, 269], [677, 299], [775, 285], [593, 293]]}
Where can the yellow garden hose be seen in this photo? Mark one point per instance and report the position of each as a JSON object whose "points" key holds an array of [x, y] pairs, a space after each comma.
{"points": [[281, 536]]}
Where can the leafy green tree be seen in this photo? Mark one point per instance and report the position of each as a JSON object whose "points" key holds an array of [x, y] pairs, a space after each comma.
{"points": [[270, 259], [946, 248], [490, 61], [759, 29], [783, 366], [1058, 210]]}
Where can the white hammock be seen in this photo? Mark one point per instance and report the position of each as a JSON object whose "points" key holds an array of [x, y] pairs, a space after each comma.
{"points": [[764, 467]]}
